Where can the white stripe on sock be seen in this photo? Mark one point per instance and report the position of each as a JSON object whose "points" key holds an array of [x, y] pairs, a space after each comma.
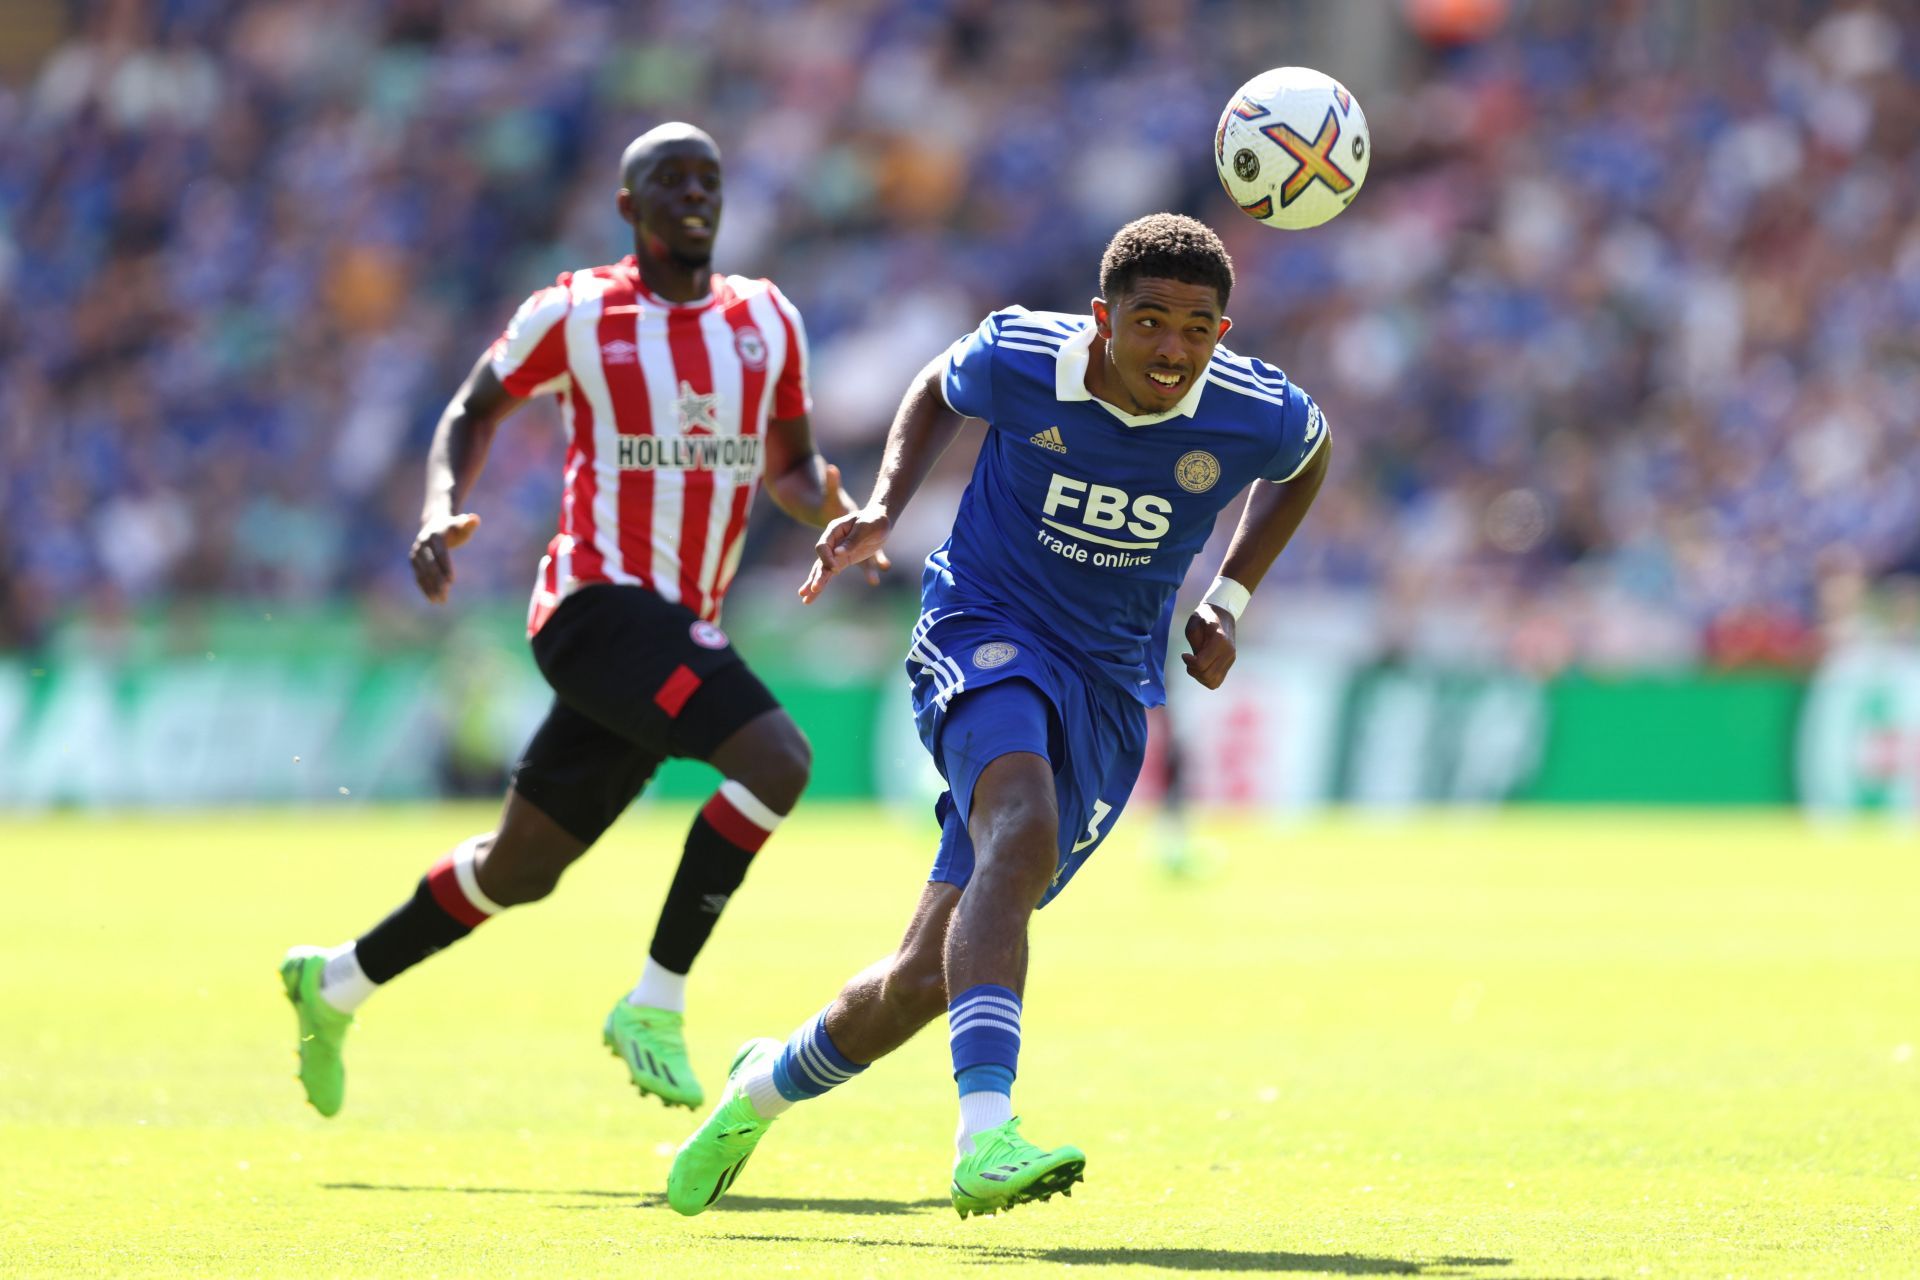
{"points": [[972, 1022], [463, 872], [343, 983], [819, 1067], [749, 806]]}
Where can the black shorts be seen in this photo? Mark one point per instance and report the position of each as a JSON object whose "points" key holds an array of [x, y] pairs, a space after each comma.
{"points": [[635, 680]]}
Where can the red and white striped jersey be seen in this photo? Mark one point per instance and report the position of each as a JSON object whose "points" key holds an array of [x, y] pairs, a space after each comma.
{"points": [[665, 407]]}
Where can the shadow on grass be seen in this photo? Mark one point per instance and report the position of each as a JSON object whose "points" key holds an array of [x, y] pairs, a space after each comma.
{"points": [[656, 1200], [1172, 1259]]}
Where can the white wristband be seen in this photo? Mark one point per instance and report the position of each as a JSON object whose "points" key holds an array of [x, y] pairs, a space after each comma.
{"points": [[1227, 594]]}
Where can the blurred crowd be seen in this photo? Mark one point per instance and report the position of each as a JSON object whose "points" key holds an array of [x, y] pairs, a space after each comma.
{"points": [[1620, 345]]}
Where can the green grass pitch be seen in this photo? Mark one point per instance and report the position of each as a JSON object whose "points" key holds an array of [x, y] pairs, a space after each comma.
{"points": [[1504, 1045]]}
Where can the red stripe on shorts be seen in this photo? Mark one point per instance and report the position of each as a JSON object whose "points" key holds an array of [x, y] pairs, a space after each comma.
{"points": [[679, 687]]}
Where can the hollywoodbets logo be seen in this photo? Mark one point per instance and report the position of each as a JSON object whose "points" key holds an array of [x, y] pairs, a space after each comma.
{"points": [[688, 453]]}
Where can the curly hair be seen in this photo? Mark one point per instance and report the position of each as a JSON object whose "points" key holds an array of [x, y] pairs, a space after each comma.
{"points": [[1170, 245]]}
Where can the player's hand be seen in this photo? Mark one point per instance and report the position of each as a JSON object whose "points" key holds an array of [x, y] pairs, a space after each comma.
{"points": [[432, 547], [850, 540], [838, 501], [1210, 634]]}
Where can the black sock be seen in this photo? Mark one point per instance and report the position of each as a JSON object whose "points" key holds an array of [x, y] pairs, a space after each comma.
{"points": [[441, 912], [720, 848]]}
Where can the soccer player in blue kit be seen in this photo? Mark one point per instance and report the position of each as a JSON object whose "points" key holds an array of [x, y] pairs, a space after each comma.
{"points": [[1113, 442]]}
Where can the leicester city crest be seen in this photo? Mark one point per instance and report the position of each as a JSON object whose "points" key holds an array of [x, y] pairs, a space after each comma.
{"points": [[1197, 471], [995, 653]]}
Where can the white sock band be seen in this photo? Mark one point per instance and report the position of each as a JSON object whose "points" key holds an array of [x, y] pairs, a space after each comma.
{"points": [[469, 882], [758, 1085], [343, 983], [749, 806], [659, 988], [980, 1112]]}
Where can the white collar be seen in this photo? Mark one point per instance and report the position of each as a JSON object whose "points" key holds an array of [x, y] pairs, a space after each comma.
{"points": [[632, 264], [1070, 383]]}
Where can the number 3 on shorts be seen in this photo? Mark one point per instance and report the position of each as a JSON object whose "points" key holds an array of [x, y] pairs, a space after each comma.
{"points": [[1094, 834]]}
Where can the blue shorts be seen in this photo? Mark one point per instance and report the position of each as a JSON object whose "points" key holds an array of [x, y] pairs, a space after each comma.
{"points": [[983, 688]]}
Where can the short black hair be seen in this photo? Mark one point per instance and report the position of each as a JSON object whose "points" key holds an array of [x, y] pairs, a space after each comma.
{"points": [[1171, 246]]}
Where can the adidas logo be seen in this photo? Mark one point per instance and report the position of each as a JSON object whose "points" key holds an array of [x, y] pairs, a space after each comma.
{"points": [[1048, 439]]}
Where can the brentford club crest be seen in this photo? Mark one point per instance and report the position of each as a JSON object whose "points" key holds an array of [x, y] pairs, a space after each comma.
{"points": [[708, 636], [752, 348]]}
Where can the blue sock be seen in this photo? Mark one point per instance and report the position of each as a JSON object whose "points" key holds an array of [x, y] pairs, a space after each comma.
{"points": [[983, 1023], [810, 1064]]}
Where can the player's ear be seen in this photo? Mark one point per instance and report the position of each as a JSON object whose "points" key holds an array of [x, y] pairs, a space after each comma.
{"points": [[1102, 318], [1226, 323], [627, 212]]}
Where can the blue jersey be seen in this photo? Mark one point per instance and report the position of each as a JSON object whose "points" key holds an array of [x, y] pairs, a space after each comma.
{"points": [[1081, 520]]}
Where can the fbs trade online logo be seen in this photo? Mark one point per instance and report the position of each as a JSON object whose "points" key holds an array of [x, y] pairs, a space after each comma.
{"points": [[1103, 511]]}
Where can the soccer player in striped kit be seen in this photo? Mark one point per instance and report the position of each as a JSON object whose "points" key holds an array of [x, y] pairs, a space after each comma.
{"points": [[679, 389]]}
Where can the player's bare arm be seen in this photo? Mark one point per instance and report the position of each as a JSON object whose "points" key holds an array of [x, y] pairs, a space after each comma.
{"points": [[922, 429], [454, 462], [806, 486], [1267, 524]]}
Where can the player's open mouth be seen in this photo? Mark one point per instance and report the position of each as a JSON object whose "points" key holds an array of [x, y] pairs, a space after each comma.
{"points": [[696, 225], [1165, 380]]}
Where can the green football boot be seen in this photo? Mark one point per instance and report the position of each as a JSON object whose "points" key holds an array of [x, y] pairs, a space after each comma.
{"points": [[709, 1161], [1005, 1170], [323, 1029], [650, 1043]]}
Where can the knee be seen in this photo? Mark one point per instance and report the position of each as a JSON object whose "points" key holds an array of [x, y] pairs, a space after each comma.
{"points": [[780, 767], [1019, 845], [513, 872]]}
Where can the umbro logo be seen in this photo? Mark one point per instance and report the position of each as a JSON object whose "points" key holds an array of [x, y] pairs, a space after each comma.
{"points": [[1048, 439], [619, 351]]}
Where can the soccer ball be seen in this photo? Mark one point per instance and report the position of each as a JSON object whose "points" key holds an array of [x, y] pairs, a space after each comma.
{"points": [[1292, 147]]}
